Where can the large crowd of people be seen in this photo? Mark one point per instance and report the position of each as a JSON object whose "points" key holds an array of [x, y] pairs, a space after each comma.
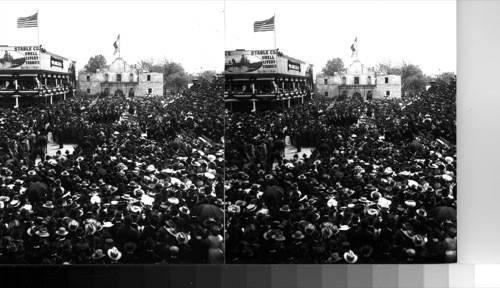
{"points": [[378, 187], [143, 185], [176, 179]]}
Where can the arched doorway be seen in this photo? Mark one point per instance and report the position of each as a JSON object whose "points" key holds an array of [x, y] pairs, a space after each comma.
{"points": [[131, 92], [119, 93], [106, 92], [357, 96], [369, 95]]}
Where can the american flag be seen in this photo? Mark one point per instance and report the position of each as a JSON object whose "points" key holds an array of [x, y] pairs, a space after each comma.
{"points": [[262, 26], [28, 22]]}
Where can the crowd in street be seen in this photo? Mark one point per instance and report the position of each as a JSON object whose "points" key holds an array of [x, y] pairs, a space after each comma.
{"points": [[175, 179], [379, 186], [144, 184]]}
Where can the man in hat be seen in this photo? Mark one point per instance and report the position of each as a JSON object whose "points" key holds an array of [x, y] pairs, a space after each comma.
{"points": [[148, 256], [129, 256], [126, 233]]}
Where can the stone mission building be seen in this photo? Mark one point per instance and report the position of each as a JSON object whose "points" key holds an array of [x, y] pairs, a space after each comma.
{"points": [[359, 82], [121, 79]]}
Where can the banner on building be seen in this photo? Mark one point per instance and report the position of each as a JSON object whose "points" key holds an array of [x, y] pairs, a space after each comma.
{"points": [[20, 57], [31, 58], [55, 62], [261, 62]]}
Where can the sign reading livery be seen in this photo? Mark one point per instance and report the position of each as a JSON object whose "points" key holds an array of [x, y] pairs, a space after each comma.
{"points": [[262, 62], [31, 58], [20, 57], [257, 61]]}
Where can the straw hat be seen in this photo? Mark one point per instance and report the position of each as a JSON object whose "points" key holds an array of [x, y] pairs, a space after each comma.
{"points": [[62, 231], [350, 257], [114, 254], [298, 235]]}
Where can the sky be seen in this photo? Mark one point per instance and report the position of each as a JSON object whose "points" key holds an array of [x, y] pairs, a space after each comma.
{"points": [[417, 32], [195, 33], [190, 33]]}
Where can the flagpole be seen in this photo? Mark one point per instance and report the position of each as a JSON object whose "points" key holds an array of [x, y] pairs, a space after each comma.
{"points": [[357, 49], [274, 16], [38, 26]]}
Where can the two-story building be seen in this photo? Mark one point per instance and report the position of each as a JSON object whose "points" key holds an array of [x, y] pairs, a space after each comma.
{"points": [[121, 79], [359, 82]]}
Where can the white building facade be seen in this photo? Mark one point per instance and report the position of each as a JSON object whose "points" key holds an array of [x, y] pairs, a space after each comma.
{"points": [[121, 79], [359, 82]]}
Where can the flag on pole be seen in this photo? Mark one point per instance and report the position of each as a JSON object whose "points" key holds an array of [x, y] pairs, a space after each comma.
{"points": [[117, 45], [263, 26], [28, 22], [354, 47]]}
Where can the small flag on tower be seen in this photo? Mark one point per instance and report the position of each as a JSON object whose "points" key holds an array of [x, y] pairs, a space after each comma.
{"points": [[28, 22], [354, 47], [117, 45], [263, 26]]}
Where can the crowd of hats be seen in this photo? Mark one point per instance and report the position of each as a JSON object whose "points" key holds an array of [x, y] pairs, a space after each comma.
{"points": [[380, 191], [130, 195]]}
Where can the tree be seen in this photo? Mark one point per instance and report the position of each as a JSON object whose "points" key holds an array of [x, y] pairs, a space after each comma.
{"points": [[333, 66], [151, 65], [95, 63], [446, 77], [413, 79], [208, 75], [387, 68], [174, 76]]}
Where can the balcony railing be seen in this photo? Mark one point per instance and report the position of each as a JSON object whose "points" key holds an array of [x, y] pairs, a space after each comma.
{"points": [[118, 82], [371, 86]]}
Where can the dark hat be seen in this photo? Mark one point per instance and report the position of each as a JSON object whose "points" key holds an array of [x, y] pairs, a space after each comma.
{"points": [[334, 258], [98, 254], [130, 247]]}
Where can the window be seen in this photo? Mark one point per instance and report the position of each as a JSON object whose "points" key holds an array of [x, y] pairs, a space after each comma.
{"points": [[131, 77], [344, 80], [149, 77], [369, 80], [106, 77], [356, 80], [326, 81], [326, 93], [150, 90], [386, 80], [119, 77], [88, 78], [88, 90], [387, 93]]}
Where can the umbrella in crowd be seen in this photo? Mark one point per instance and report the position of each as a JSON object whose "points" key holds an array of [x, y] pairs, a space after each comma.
{"points": [[208, 211], [36, 192], [125, 195], [177, 144], [443, 213], [273, 195], [378, 187]]}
